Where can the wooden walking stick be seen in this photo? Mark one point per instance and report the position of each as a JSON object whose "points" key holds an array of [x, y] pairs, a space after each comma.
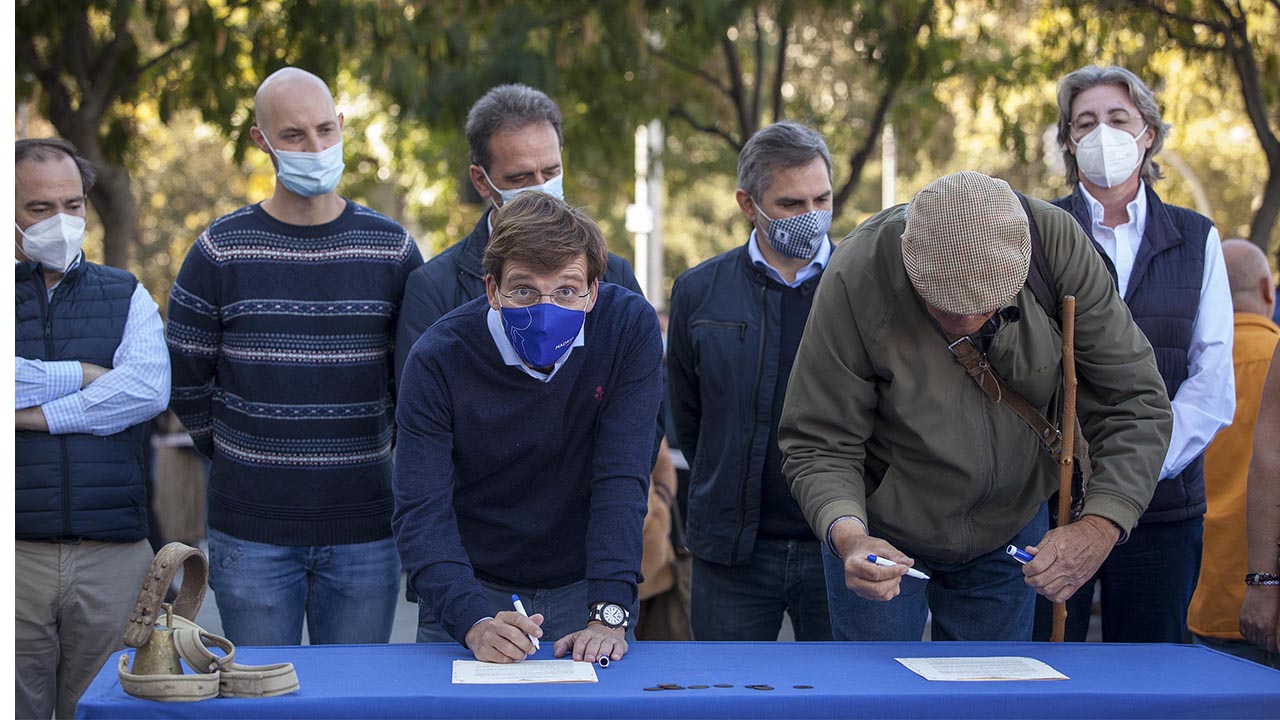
{"points": [[1066, 463]]}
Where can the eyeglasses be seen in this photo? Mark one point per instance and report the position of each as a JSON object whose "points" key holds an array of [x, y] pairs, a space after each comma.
{"points": [[1121, 120], [565, 297]]}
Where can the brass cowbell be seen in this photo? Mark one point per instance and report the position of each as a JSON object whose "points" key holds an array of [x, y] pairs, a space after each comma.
{"points": [[159, 656]]}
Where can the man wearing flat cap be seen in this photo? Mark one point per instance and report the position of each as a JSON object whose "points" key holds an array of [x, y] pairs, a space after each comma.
{"points": [[893, 450]]}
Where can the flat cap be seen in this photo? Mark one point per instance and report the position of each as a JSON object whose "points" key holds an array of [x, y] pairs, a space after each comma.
{"points": [[967, 244]]}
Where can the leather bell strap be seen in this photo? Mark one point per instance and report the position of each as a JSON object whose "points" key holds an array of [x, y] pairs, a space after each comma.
{"points": [[195, 580], [215, 675]]}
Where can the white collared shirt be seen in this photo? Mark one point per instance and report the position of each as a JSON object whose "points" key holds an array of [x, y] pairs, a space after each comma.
{"points": [[814, 267], [511, 357], [1206, 401]]}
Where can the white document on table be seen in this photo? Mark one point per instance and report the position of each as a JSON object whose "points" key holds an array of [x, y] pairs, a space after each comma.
{"points": [[474, 672], [976, 669]]}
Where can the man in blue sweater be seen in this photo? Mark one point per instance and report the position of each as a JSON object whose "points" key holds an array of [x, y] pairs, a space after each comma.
{"points": [[280, 332], [525, 444]]}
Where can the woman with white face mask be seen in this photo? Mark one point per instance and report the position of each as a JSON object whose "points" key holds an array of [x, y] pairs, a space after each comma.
{"points": [[1167, 265]]}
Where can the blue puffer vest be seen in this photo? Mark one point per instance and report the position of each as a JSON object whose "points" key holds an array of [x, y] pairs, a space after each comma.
{"points": [[1164, 296], [78, 485]]}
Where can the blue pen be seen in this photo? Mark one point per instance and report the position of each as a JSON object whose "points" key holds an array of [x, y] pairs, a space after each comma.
{"points": [[515, 600], [1021, 556]]}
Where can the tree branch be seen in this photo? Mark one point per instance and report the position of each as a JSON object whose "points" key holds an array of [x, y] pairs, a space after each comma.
{"points": [[1183, 18], [105, 64], [738, 91], [1245, 62], [681, 113], [780, 60], [145, 67], [78, 39], [759, 69], [59, 98], [858, 159], [697, 72]]}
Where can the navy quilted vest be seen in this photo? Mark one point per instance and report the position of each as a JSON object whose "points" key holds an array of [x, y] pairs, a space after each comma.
{"points": [[77, 485], [1164, 296]]}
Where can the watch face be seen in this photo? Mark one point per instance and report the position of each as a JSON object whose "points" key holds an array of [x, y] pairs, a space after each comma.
{"points": [[613, 615]]}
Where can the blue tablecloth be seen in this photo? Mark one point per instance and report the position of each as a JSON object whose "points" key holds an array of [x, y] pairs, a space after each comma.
{"points": [[848, 679]]}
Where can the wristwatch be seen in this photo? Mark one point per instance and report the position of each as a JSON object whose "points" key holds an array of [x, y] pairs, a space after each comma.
{"points": [[609, 614]]}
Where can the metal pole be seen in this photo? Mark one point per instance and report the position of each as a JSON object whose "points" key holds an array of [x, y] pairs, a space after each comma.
{"points": [[889, 165]]}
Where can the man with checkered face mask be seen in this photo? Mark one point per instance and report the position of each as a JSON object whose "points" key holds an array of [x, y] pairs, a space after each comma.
{"points": [[894, 452], [736, 322]]}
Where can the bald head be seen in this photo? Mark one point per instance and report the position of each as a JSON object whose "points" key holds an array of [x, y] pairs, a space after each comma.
{"points": [[288, 86], [1252, 287]]}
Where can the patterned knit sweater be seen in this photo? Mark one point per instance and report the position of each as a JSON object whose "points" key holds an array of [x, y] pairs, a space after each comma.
{"points": [[281, 339]]}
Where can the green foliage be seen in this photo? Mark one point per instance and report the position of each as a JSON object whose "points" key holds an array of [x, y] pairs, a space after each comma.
{"points": [[965, 83]]}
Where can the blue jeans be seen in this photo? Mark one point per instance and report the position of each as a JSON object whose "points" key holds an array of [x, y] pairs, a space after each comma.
{"points": [[746, 602], [1147, 584], [985, 599], [346, 592], [564, 611]]}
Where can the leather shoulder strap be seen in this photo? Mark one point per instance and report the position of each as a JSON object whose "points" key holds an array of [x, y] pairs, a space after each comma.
{"points": [[996, 390], [1039, 277]]}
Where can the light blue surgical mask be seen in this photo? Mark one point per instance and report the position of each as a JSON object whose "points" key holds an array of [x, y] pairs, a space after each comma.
{"points": [[309, 174], [553, 187]]}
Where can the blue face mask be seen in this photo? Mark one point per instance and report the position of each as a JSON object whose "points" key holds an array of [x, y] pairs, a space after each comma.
{"points": [[799, 236], [542, 333], [309, 174], [553, 187]]}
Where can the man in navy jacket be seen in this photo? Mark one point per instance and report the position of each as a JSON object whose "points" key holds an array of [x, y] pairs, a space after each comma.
{"points": [[525, 443], [736, 322], [515, 139], [91, 369]]}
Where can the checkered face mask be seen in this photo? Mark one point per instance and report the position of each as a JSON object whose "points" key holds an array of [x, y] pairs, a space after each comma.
{"points": [[798, 236]]}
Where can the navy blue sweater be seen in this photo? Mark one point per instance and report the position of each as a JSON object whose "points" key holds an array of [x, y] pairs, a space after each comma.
{"points": [[502, 477], [281, 341]]}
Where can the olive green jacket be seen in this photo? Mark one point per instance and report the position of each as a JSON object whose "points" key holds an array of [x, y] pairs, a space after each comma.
{"points": [[883, 424]]}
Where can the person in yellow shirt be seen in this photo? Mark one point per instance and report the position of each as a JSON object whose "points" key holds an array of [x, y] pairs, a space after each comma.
{"points": [[1213, 617]]}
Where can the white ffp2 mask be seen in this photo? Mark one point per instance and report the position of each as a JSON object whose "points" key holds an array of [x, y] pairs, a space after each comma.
{"points": [[1107, 156], [54, 242]]}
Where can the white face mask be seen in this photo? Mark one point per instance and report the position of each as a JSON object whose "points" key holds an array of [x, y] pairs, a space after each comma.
{"points": [[1107, 156], [54, 242], [309, 174], [553, 187]]}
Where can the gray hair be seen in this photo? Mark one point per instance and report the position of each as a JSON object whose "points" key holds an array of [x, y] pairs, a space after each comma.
{"points": [[781, 145], [1091, 76], [507, 107], [46, 149]]}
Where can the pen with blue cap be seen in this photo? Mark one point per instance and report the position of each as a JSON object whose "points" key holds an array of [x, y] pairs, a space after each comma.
{"points": [[515, 600], [911, 572], [1021, 556]]}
